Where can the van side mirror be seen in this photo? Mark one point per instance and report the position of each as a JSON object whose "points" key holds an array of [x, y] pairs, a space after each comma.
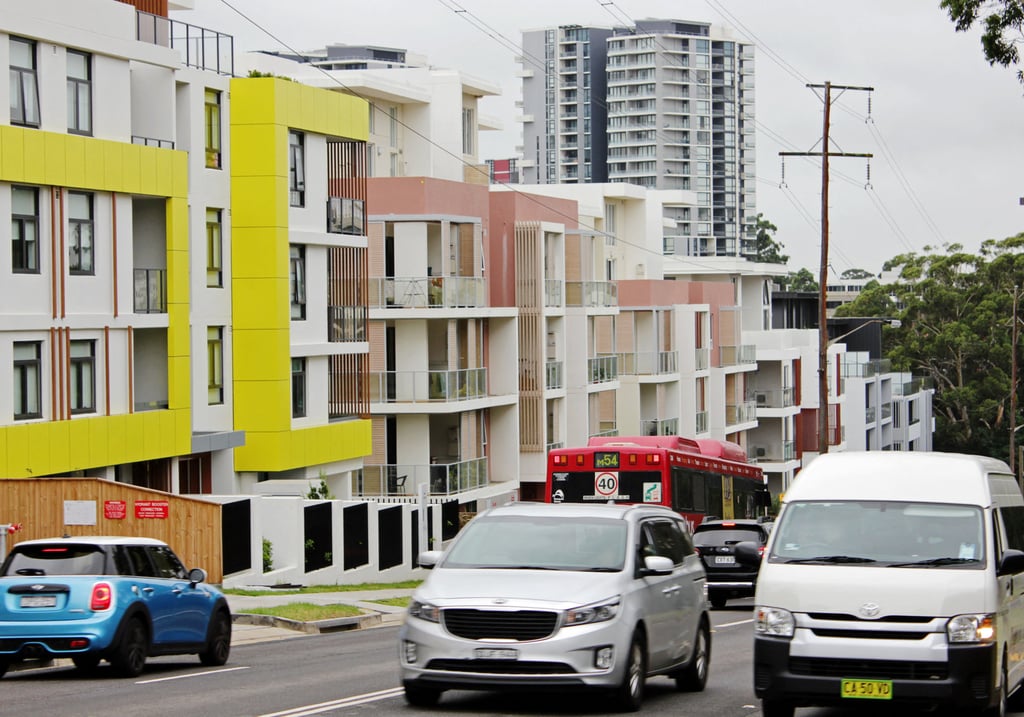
{"points": [[748, 552], [428, 558], [657, 565], [1011, 563]]}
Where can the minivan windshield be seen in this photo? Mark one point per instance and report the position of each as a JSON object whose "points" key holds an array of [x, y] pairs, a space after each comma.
{"points": [[540, 543], [882, 533]]}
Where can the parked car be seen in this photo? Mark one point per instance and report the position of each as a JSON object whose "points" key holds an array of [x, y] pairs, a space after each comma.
{"points": [[729, 575], [559, 596], [107, 598]]}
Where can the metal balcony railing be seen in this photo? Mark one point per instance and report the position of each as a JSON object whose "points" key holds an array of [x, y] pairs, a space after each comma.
{"points": [[647, 363], [150, 291], [702, 359], [398, 480], [660, 427], [702, 422], [200, 48], [591, 293], [433, 292], [553, 374], [603, 368], [427, 386], [738, 413]]}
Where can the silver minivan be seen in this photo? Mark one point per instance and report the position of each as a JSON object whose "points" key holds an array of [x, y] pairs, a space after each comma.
{"points": [[566, 596]]}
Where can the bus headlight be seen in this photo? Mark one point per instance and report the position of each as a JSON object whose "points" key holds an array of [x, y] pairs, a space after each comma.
{"points": [[971, 628], [773, 621]]}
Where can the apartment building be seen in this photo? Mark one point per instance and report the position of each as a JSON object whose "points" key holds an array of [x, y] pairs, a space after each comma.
{"points": [[662, 104]]}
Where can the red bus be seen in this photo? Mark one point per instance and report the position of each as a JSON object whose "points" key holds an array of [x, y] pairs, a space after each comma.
{"points": [[697, 478]]}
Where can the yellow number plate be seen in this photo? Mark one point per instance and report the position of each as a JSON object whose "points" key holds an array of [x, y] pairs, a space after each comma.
{"points": [[867, 689]]}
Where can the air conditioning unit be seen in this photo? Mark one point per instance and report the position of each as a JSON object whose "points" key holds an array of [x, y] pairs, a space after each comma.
{"points": [[761, 398], [760, 451]]}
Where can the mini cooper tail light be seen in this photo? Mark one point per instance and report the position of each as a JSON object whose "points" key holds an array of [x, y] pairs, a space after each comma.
{"points": [[102, 597]]}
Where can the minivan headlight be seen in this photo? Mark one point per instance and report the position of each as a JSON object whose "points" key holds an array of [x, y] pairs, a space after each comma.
{"points": [[773, 621], [592, 613], [971, 628], [424, 611]]}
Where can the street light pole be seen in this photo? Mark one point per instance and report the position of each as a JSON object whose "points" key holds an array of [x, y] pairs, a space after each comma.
{"points": [[1013, 388]]}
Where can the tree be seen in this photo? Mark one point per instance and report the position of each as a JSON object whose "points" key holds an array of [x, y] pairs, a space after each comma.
{"points": [[767, 249], [1003, 27], [856, 274], [802, 280], [873, 300]]}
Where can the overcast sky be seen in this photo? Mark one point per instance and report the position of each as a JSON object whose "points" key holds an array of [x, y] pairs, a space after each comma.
{"points": [[946, 129]]}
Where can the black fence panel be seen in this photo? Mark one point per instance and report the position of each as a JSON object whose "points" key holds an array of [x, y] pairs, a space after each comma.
{"points": [[449, 519], [236, 536], [317, 538], [356, 534], [414, 538], [389, 537]]}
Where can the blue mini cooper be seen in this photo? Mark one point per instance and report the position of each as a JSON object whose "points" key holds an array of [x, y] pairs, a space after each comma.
{"points": [[107, 598]]}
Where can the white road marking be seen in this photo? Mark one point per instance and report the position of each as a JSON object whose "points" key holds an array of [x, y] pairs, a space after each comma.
{"points": [[734, 624], [191, 674], [335, 704]]}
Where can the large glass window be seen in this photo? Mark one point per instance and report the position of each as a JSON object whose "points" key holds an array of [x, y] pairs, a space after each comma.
{"points": [[83, 376], [25, 230], [298, 387], [215, 364], [80, 240], [296, 169], [24, 86], [27, 372], [214, 249], [212, 117], [468, 130], [297, 280], [79, 92]]}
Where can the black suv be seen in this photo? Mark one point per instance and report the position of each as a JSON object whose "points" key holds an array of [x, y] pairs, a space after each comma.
{"points": [[728, 576]]}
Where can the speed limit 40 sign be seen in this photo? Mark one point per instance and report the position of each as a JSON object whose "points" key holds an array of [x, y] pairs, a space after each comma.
{"points": [[606, 483]]}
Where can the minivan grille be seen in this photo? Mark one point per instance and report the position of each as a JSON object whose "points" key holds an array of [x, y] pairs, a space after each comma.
{"points": [[500, 624], [868, 669]]}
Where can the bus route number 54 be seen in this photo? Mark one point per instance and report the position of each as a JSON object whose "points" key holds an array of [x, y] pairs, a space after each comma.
{"points": [[606, 483]]}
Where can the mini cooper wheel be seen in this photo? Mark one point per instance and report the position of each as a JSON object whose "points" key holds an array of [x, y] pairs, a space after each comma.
{"points": [[129, 658], [86, 663], [218, 643]]}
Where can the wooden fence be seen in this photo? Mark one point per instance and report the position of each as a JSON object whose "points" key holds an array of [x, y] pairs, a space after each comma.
{"points": [[51, 507]]}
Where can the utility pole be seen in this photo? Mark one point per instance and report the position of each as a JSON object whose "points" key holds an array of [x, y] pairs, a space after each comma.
{"points": [[1013, 388], [825, 153]]}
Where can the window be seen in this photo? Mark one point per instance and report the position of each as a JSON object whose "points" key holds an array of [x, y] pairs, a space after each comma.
{"points": [[27, 372], [393, 127], [215, 365], [214, 249], [83, 376], [80, 241], [212, 116], [24, 90], [298, 387], [25, 230], [79, 92], [297, 280], [296, 169], [468, 130]]}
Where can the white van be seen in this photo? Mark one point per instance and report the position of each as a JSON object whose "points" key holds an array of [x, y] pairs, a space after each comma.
{"points": [[896, 577]]}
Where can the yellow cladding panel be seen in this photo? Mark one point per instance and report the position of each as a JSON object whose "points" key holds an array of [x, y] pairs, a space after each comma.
{"points": [[53, 158], [265, 150], [179, 382], [18, 463], [264, 302], [99, 442], [270, 451], [74, 157], [263, 405], [34, 170], [260, 355], [259, 201], [12, 152], [252, 100], [265, 252], [291, 104]]}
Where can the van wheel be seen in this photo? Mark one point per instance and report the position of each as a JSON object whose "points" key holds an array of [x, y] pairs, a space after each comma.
{"points": [[717, 602], [421, 696], [129, 658], [777, 708], [999, 709], [630, 694], [694, 676]]}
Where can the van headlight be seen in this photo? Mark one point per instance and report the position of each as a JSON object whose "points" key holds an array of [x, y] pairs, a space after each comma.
{"points": [[424, 611], [592, 613], [971, 629], [774, 622]]}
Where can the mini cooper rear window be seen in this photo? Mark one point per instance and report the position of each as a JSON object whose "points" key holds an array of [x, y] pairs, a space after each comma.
{"points": [[63, 559]]}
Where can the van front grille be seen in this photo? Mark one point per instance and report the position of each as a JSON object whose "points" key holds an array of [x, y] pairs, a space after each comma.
{"points": [[518, 625], [868, 669]]}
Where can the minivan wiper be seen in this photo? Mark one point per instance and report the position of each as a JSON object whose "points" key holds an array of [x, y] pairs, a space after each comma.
{"points": [[935, 561], [833, 559]]}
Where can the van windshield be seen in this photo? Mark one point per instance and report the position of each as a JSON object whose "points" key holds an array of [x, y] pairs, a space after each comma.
{"points": [[882, 533]]}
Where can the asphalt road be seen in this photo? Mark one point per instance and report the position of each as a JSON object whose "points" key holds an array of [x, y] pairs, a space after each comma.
{"points": [[352, 673]]}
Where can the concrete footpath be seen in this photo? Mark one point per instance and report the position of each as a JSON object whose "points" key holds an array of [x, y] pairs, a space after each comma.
{"points": [[248, 628]]}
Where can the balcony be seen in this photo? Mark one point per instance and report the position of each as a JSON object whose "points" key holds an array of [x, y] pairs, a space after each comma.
{"points": [[738, 355], [430, 292], [702, 422], [553, 293], [346, 323], [647, 363], [739, 413], [772, 397], [662, 427], [554, 375], [603, 369], [428, 386], [403, 480], [702, 359], [786, 451], [200, 48], [591, 293], [150, 291]]}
